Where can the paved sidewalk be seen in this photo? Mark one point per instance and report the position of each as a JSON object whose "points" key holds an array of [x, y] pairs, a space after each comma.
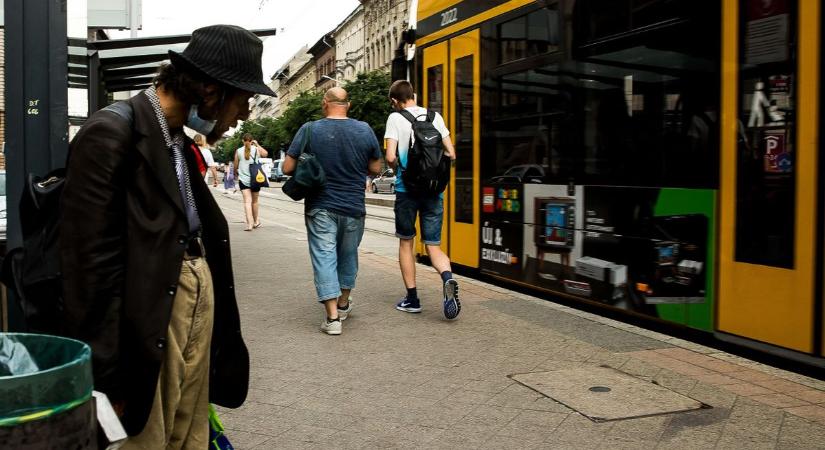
{"points": [[398, 380]]}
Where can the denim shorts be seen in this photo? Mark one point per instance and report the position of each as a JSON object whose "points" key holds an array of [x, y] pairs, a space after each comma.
{"points": [[430, 211], [333, 248]]}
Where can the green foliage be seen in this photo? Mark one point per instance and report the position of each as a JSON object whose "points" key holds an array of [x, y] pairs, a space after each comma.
{"points": [[369, 103], [368, 95], [302, 109]]}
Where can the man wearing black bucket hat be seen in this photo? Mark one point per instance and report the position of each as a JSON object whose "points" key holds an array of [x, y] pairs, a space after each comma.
{"points": [[145, 249]]}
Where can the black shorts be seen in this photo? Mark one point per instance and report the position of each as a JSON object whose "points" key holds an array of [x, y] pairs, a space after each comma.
{"points": [[243, 186]]}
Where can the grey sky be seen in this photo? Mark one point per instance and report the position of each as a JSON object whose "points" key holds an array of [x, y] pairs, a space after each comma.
{"points": [[303, 21]]}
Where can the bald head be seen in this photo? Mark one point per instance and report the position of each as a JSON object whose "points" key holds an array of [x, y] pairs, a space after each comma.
{"points": [[336, 95], [336, 103]]}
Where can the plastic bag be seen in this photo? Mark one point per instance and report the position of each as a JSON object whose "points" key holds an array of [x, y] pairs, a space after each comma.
{"points": [[15, 358]]}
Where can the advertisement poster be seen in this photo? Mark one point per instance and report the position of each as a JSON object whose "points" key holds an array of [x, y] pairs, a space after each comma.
{"points": [[604, 244]]}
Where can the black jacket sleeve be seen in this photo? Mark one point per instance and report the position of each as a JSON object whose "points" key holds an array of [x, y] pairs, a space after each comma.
{"points": [[93, 241]]}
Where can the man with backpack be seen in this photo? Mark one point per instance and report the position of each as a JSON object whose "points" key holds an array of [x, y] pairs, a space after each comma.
{"points": [[144, 247], [419, 144]]}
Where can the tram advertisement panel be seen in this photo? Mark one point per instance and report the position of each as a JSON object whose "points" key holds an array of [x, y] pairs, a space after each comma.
{"points": [[632, 248], [501, 231]]}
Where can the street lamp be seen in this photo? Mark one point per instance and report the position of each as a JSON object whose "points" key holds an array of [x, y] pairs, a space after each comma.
{"points": [[331, 79]]}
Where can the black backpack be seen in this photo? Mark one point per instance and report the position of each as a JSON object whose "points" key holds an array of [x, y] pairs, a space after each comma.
{"points": [[32, 270], [428, 168]]}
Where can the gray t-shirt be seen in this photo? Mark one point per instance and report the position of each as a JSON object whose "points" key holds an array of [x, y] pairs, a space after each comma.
{"points": [[344, 148]]}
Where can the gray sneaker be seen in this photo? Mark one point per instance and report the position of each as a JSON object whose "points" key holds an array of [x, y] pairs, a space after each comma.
{"points": [[331, 327], [344, 313], [451, 304]]}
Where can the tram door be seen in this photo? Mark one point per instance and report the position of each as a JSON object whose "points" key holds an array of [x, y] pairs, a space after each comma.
{"points": [[450, 86], [769, 200]]}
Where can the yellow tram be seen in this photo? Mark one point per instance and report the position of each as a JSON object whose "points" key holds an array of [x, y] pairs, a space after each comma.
{"points": [[660, 157]]}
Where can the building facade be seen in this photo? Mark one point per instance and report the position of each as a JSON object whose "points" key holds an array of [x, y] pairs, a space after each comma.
{"points": [[384, 21], [282, 84], [323, 54], [349, 46]]}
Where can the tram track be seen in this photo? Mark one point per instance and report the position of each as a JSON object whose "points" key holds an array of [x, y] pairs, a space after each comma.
{"points": [[271, 207]]}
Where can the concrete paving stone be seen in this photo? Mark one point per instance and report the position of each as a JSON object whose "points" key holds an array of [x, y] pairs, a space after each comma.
{"points": [[522, 397], [441, 415], [533, 426], [693, 430], [676, 382], [307, 433], [244, 439], [473, 397], [640, 369], [579, 430], [508, 443], [809, 395], [713, 396], [779, 400], [492, 386], [642, 429], [799, 433], [812, 412], [580, 328], [747, 389], [751, 423], [315, 418], [485, 420], [608, 359], [779, 385], [716, 379], [268, 425], [622, 443], [751, 375]]}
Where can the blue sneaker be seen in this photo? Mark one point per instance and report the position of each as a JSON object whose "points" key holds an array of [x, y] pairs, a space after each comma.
{"points": [[410, 306], [451, 304]]}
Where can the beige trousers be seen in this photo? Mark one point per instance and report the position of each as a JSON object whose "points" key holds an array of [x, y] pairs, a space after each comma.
{"points": [[180, 410]]}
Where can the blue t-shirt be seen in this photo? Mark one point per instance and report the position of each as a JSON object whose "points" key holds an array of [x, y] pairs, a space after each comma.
{"points": [[344, 147]]}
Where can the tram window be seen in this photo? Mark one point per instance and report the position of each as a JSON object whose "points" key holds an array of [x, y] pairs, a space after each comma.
{"points": [[435, 90], [534, 34], [463, 137], [640, 109], [766, 168]]}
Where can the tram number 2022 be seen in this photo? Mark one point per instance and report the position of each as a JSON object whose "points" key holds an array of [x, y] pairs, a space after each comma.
{"points": [[449, 16]]}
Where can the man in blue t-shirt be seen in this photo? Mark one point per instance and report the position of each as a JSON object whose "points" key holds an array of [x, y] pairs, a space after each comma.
{"points": [[347, 150]]}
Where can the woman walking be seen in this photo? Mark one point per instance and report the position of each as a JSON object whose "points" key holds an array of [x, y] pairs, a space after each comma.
{"points": [[244, 156]]}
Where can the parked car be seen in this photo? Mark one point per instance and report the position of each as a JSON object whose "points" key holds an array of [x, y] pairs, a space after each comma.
{"points": [[522, 173], [384, 182], [277, 173]]}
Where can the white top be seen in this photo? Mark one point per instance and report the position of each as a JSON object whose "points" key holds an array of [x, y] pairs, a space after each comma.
{"points": [[400, 129], [243, 164], [207, 157]]}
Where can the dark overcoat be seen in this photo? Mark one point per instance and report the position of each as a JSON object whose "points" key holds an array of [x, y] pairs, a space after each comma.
{"points": [[123, 233]]}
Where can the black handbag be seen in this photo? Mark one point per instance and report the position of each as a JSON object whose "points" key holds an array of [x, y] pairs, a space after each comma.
{"points": [[309, 176], [257, 176]]}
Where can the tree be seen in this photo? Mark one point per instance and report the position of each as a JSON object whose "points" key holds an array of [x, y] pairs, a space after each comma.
{"points": [[368, 95], [304, 108]]}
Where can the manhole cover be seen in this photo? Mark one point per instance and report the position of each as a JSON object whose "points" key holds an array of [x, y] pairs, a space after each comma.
{"points": [[602, 393]]}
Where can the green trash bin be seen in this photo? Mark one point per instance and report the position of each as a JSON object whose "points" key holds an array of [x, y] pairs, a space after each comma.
{"points": [[46, 390]]}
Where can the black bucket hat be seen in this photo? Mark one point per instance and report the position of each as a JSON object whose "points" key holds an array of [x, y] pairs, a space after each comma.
{"points": [[228, 54]]}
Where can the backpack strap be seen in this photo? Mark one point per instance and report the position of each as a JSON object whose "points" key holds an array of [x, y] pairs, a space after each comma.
{"points": [[407, 115], [430, 115]]}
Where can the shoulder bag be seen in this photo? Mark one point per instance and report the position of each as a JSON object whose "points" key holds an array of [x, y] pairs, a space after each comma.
{"points": [[309, 176]]}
